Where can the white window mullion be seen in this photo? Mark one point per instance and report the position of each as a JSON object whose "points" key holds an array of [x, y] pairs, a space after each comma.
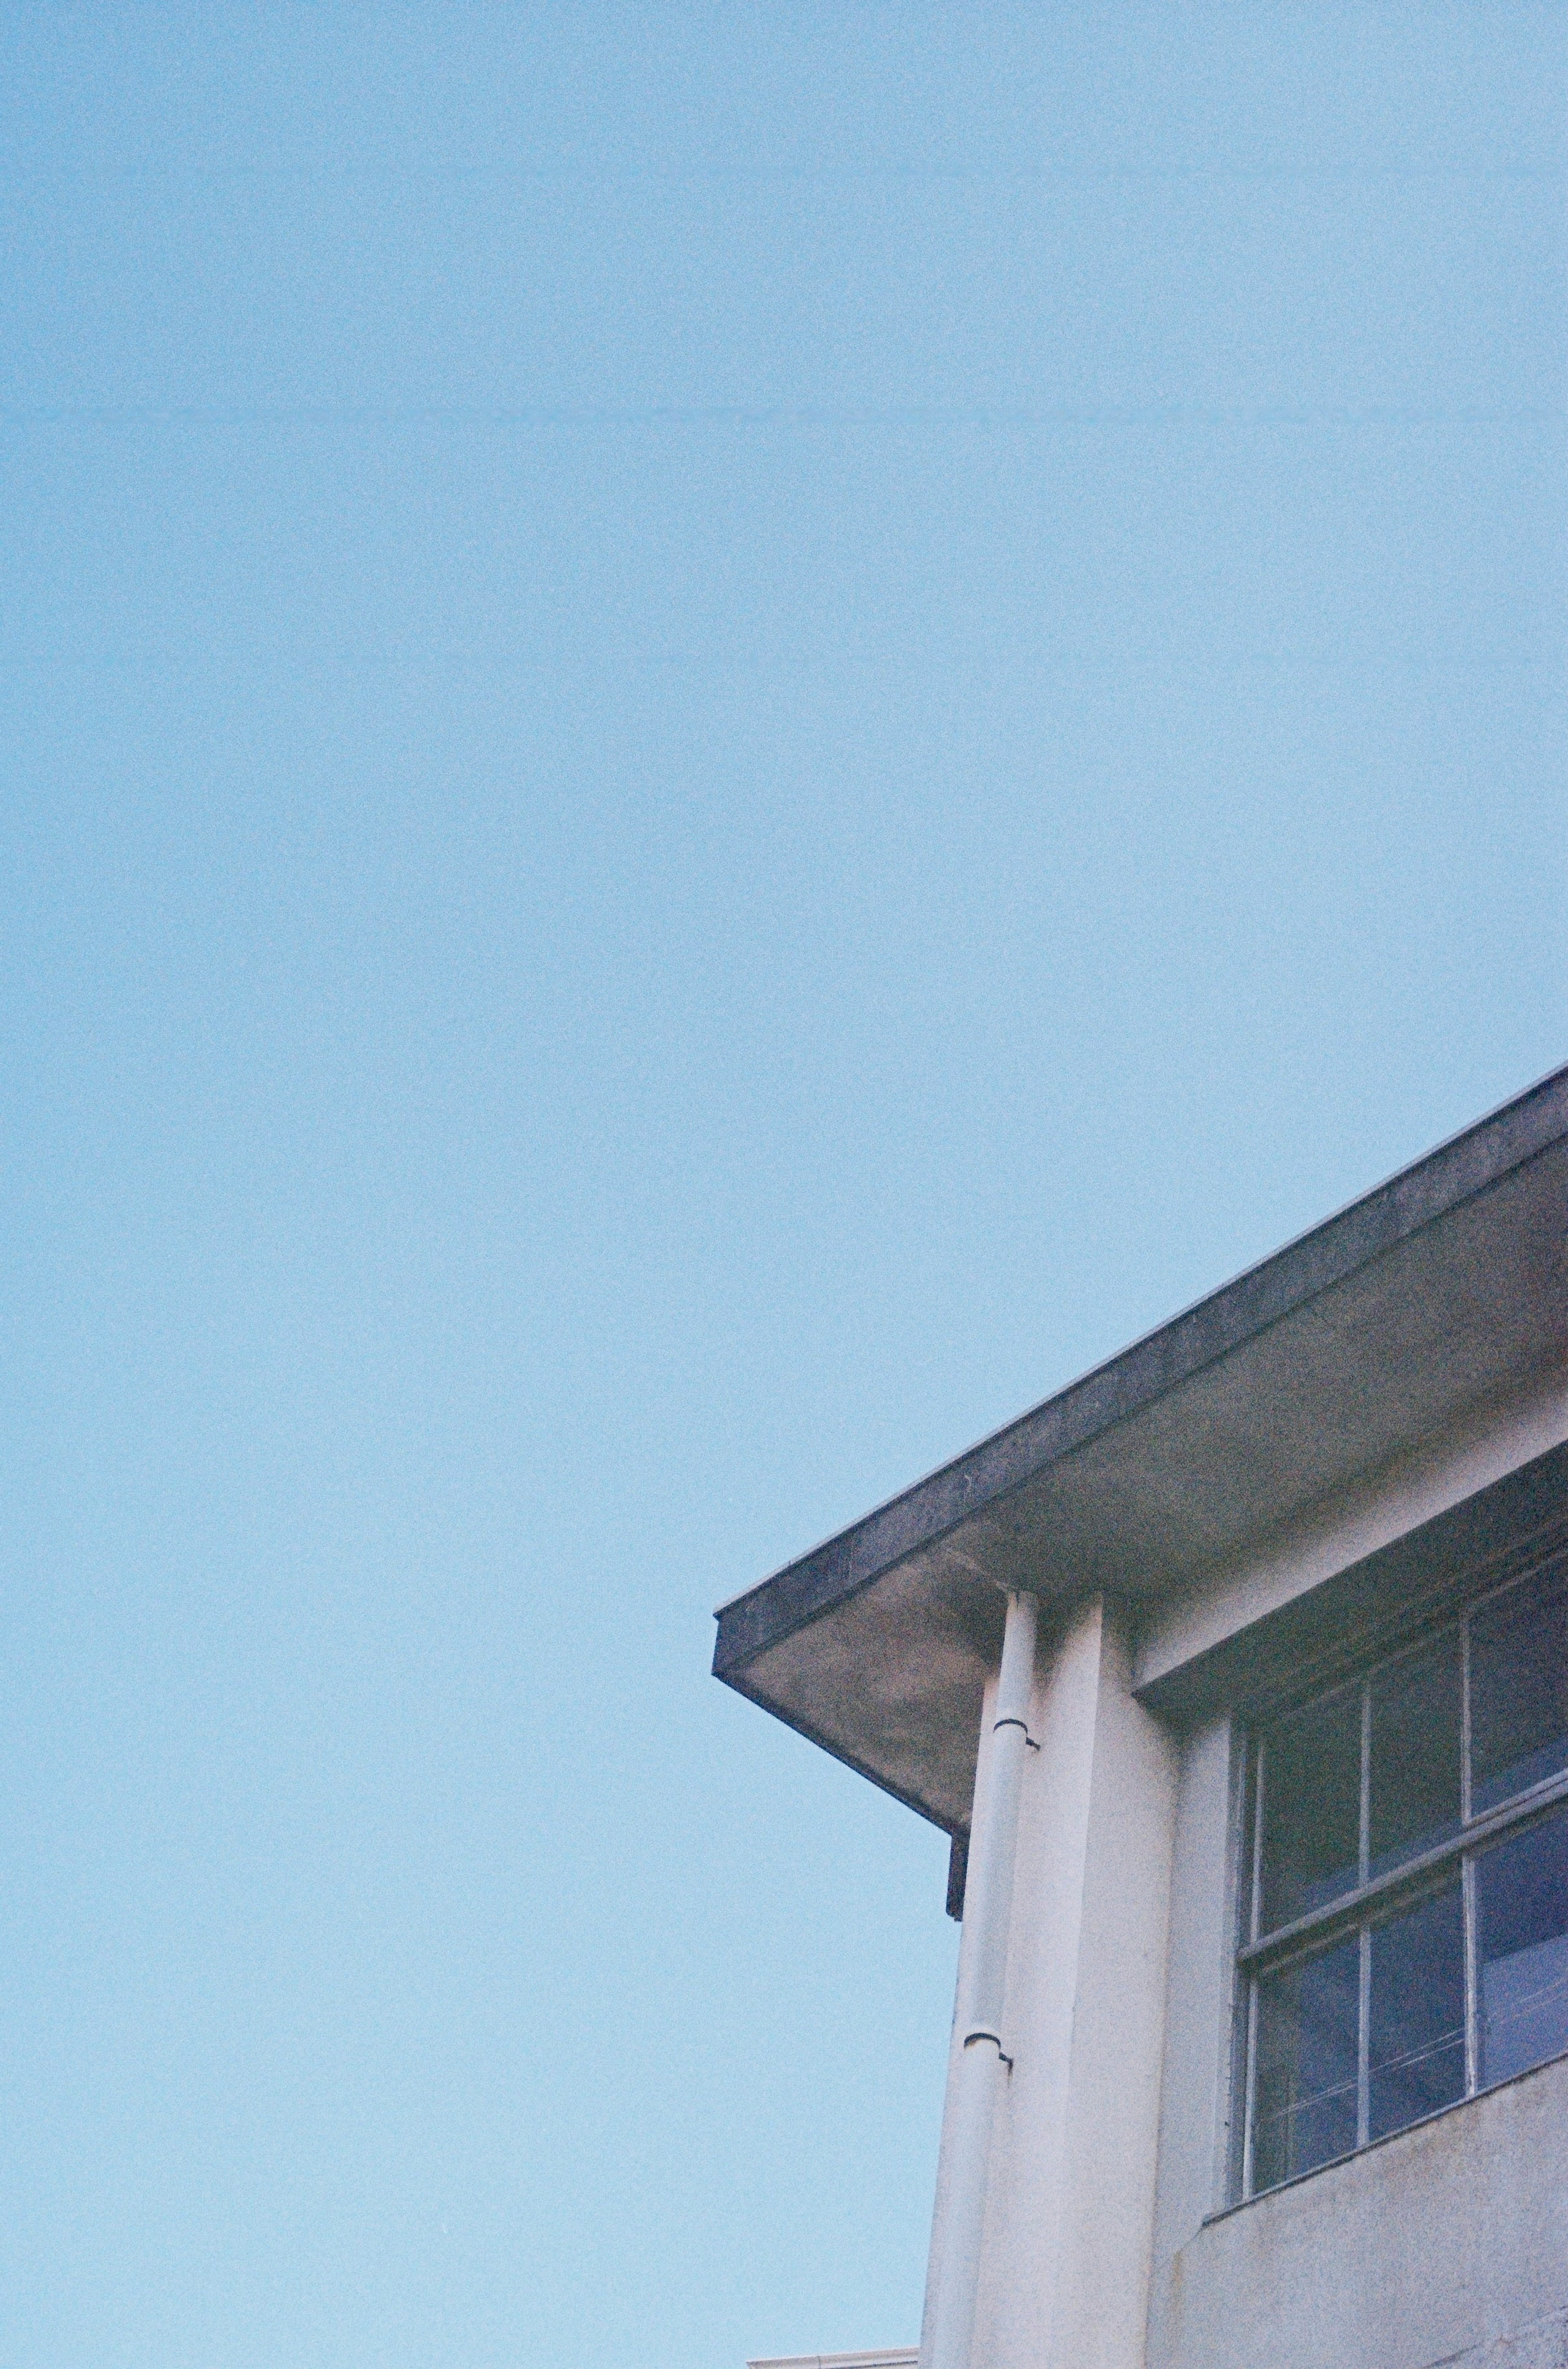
{"points": [[1251, 2085], [1364, 2043]]}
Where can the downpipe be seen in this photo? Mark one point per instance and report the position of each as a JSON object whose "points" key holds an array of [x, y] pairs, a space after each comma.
{"points": [[981, 2068]]}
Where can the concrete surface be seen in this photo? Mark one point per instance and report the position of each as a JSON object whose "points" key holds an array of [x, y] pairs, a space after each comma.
{"points": [[1446, 2243]]}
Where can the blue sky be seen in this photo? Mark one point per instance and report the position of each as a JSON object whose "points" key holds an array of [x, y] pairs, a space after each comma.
{"points": [[728, 733]]}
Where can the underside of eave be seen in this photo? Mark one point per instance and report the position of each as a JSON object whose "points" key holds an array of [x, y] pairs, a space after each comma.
{"points": [[945, 1820], [970, 1500], [1211, 1439]]}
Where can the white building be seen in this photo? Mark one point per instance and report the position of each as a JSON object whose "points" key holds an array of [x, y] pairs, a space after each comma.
{"points": [[1260, 2055]]}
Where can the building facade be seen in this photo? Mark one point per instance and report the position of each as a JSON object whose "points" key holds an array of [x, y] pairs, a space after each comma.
{"points": [[1238, 1674]]}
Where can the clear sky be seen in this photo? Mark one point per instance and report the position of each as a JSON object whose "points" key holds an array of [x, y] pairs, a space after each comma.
{"points": [[728, 733]]}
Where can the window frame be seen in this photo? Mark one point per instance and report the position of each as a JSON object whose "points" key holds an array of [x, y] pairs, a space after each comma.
{"points": [[1372, 1900]]}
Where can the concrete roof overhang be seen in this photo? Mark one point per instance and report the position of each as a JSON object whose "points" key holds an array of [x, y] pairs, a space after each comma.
{"points": [[1351, 1348]]}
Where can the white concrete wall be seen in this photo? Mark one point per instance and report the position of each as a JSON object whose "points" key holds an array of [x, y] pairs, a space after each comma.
{"points": [[1448, 2242], [1195, 2097], [1107, 2244]]}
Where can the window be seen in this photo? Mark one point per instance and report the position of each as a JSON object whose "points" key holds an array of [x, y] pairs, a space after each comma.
{"points": [[1406, 1939]]}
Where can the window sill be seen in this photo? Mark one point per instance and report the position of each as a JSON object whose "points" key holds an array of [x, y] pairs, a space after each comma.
{"points": [[1374, 2147]]}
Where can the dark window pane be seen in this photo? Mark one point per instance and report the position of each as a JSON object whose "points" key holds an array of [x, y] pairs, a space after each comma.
{"points": [[1312, 1808], [1518, 1690], [1416, 1753], [1304, 2098], [1415, 2036], [1522, 1920]]}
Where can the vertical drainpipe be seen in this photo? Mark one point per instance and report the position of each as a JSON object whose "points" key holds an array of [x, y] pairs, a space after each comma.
{"points": [[981, 2066]]}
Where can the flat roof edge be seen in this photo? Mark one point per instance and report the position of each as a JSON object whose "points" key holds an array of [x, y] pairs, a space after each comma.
{"points": [[1459, 1170]]}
